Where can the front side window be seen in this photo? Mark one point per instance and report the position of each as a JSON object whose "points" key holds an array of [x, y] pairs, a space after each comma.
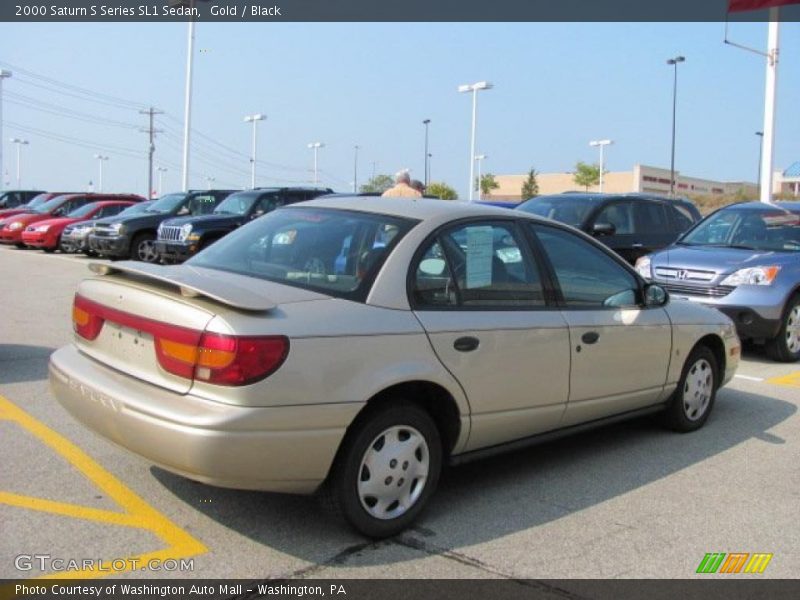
{"points": [[236, 204], [477, 265], [618, 214], [564, 209], [332, 251], [587, 276], [200, 205]]}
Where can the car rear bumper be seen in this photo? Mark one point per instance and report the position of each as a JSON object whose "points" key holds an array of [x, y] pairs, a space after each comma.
{"points": [[110, 246], [175, 252], [279, 449]]}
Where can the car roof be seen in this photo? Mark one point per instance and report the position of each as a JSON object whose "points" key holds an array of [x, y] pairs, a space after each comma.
{"points": [[412, 208], [756, 205], [599, 197]]}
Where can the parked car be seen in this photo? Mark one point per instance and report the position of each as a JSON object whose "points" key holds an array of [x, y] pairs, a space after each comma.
{"points": [[182, 237], [134, 236], [34, 202], [15, 198], [451, 331], [75, 237], [630, 224], [11, 228], [743, 259], [47, 234]]}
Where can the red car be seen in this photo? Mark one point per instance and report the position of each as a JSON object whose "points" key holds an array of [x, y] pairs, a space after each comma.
{"points": [[11, 228], [47, 234]]}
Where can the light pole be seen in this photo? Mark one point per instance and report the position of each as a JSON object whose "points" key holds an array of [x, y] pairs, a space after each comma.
{"points": [[316, 146], [426, 122], [254, 119], [161, 171], [428, 173], [760, 135], [101, 159], [674, 62], [355, 169], [19, 142], [480, 158], [210, 181], [474, 88], [602, 144], [3, 75]]}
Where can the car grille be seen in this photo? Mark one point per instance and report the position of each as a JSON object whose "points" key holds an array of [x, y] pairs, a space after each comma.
{"points": [[104, 232], [169, 234], [679, 274], [713, 291]]}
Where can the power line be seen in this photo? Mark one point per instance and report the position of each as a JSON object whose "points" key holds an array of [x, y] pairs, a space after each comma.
{"points": [[54, 109], [129, 152]]}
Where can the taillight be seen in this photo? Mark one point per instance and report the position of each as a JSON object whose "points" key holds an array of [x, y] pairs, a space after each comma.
{"points": [[189, 353]]}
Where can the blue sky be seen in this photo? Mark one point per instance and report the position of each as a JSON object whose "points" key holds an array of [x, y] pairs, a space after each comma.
{"points": [[557, 86]]}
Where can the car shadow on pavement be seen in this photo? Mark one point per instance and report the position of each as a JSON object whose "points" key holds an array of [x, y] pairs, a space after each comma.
{"points": [[488, 499], [20, 363]]}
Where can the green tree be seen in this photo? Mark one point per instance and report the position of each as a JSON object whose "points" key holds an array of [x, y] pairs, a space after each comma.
{"points": [[530, 188], [441, 190], [377, 185], [586, 175], [488, 183]]}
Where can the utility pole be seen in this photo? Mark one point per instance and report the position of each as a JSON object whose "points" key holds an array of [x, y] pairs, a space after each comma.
{"points": [[426, 122], [254, 119], [355, 169], [151, 131], [161, 171], [19, 142], [101, 159]]}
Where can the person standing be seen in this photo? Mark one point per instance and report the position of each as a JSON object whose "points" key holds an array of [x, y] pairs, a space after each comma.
{"points": [[402, 187]]}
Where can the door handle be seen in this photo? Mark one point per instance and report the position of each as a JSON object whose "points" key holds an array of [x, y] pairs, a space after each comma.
{"points": [[590, 337], [637, 245], [466, 344]]}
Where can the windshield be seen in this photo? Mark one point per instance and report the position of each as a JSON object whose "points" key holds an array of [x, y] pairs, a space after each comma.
{"points": [[572, 211], [237, 204], [82, 211], [47, 207], [137, 208], [332, 251], [769, 229], [166, 204], [37, 201]]}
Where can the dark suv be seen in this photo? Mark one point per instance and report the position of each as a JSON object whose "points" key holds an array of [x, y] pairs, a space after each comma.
{"points": [[630, 224], [134, 235], [15, 198], [180, 238]]}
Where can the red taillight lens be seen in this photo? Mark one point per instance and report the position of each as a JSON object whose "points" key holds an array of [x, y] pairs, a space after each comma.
{"points": [[85, 318], [239, 360]]}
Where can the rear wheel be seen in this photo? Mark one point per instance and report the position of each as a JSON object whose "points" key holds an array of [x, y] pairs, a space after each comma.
{"points": [[694, 397], [785, 347], [143, 248], [387, 470]]}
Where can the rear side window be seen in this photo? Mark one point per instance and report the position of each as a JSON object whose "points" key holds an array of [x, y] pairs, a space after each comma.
{"points": [[682, 217], [651, 217]]}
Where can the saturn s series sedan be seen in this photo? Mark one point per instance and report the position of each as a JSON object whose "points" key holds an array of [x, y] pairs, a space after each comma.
{"points": [[352, 346]]}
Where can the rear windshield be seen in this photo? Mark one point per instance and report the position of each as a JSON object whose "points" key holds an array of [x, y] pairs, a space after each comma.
{"points": [[335, 252], [572, 211], [770, 229]]}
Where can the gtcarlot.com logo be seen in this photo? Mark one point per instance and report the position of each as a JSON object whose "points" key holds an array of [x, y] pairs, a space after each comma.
{"points": [[734, 562]]}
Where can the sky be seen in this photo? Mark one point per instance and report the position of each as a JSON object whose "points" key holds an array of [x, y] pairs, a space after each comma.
{"points": [[557, 86]]}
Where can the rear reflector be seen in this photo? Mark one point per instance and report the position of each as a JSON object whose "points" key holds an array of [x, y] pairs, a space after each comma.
{"points": [[211, 357]]}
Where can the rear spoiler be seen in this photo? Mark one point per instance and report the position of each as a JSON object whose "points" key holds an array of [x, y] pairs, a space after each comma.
{"points": [[191, 283]]}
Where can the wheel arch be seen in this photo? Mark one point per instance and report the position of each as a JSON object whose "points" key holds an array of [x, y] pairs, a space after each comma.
{"points": [[714, 343]]}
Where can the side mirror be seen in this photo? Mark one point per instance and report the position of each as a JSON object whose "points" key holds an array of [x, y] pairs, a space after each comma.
{"points": [[655, 295], [600, 229]]}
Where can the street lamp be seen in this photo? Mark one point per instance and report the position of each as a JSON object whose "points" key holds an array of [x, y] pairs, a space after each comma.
{"points": [[254, 119], [355, 169], [210, 181], [161, 171], [480, 158], [101, 160], [316, 146], [426, 122], [674, 62], [19, 142], [474, 88], [602, 144], [760, 135], [3, 75]]}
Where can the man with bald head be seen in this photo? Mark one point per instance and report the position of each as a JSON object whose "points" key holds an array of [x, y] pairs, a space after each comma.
{"points": [[402, 187]]}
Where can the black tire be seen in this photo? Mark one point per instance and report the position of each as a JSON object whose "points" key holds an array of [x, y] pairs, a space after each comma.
{"points": [[341, 491], [687, 410], [20, 245], [780, 347], [49, 250], [143, 248]]}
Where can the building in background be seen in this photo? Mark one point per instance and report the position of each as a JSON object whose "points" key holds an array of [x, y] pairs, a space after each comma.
{"points": [[788, 182]]}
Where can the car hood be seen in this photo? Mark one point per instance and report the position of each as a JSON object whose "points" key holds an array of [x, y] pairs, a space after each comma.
{"points": [[205, 221], [59, 222], [26, 218], [719, 260], [139, 220]]}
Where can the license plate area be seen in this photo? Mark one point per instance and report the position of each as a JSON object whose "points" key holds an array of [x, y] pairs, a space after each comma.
{"points": [[130, 344]]}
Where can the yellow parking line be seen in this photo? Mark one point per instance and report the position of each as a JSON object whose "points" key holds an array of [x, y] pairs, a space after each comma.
{"points": [[792, 380], [137, 513]]}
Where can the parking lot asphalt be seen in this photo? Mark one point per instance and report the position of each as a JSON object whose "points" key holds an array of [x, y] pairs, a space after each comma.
{"points": [[631, 500]]}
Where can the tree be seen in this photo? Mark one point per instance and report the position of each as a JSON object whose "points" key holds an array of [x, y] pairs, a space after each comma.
{"points": [[441, 190], [586, 175], [377, 185], [488, 183], [530, 188]]}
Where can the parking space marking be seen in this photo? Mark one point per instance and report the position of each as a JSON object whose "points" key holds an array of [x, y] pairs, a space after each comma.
{"points": [[748, 377], [135, 513], [791, 380]]}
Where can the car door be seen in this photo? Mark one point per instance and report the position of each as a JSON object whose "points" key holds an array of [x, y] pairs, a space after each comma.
{"points": [[478, 292], [653, 228], [620, 350]]}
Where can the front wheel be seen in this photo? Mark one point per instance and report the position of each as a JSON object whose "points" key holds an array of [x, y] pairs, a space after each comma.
{"points": [[143, 248], [387, 470], [785, 347], [694, 397]]}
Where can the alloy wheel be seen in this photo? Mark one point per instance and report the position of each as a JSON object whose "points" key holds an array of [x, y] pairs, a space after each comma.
{"points": [[146, 251], [793, 330], [698, 389]]}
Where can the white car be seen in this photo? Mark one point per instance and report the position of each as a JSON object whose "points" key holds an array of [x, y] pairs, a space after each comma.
{"points": [[354, 345]]}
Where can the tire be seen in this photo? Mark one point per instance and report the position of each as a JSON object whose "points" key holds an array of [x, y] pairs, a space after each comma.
{"points": [[694, 397], [20, 245], [143, 248], [49, 250], [785, 347], [397, 439]]}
